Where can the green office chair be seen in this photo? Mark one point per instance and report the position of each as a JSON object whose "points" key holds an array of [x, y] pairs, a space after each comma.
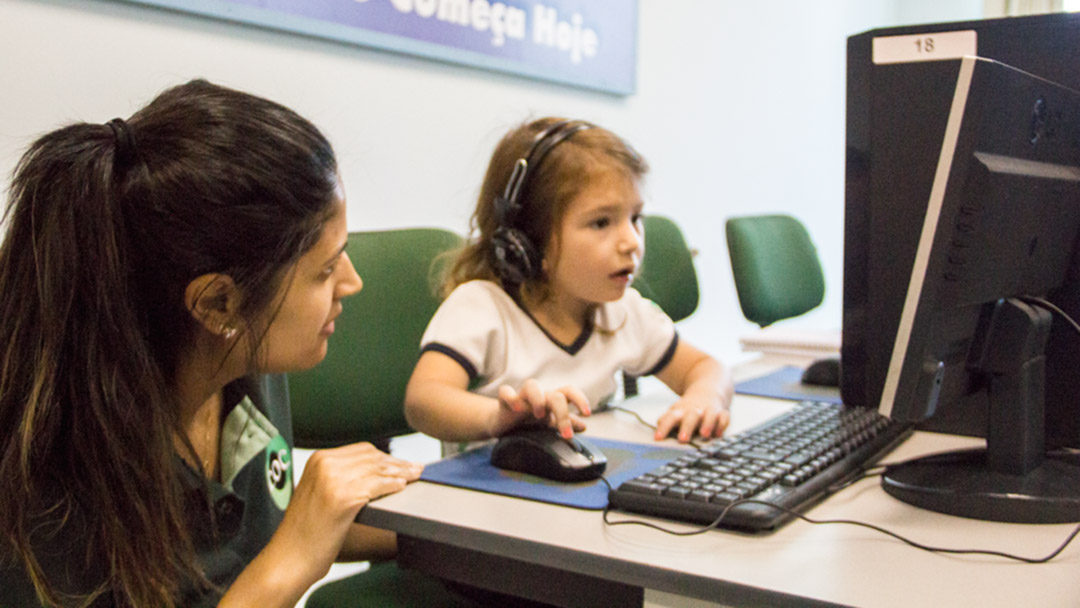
{"points": [[667, 276], [775, 266], [357, 393]]}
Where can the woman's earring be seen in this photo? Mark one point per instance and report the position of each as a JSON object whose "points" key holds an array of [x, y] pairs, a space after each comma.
{"points": [[228, 332]]}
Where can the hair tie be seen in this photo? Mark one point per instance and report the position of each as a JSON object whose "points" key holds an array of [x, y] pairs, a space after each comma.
{"points": [[125, 142]]}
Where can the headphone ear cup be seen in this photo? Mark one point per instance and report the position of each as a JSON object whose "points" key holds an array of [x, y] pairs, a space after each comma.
{"points": [[516, 259]]}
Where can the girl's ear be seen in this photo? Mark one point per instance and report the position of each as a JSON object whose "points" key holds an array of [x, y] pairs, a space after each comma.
{"points": [[213, 299]]}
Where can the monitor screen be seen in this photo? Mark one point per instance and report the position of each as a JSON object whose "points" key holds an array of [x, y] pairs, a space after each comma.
{"points": [[995, 250]]}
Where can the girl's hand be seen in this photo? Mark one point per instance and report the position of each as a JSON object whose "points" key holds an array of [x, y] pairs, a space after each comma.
{"points": [[706, 390], [709, 417], [554, 406]]}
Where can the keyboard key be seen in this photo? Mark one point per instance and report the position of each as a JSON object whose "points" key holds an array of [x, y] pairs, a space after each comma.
{"points": [[677, 492], [700, 496], [764, 455], [725, 498], [642, 487]]}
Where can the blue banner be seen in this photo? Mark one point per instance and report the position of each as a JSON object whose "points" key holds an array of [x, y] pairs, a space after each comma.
{"points": [[577, 42]]}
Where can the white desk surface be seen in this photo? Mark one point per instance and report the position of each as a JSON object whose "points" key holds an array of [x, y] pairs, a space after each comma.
{"points": [[838, 564]]}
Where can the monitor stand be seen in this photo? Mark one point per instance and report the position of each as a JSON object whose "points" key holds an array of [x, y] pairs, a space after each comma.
{"points": [[1013, 479]]}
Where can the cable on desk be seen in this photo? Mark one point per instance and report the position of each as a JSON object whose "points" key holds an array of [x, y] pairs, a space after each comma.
{"points": [[873, 471], [719, 518]]}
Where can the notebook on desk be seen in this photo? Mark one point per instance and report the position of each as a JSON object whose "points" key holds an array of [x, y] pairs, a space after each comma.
{"points": [[789, 341]]}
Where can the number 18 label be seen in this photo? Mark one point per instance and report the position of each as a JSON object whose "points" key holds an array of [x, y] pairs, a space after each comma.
{"points": [[932, 46]]}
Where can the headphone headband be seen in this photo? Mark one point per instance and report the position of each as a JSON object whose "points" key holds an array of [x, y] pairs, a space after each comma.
{"points": [[515, 258], [544, 142]]}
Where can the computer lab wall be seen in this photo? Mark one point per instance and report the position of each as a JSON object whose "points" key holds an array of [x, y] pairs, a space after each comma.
{"points": [[739, 109]]}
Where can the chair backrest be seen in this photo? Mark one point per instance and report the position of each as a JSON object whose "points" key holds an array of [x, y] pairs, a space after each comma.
{"points": [[357, 393], [667, 275], [776, 268]]}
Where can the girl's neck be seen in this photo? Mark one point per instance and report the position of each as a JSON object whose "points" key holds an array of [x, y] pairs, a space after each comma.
{"points": [[563, 318]]}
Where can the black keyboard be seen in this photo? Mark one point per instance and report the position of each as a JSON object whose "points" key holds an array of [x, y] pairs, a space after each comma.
{"points": [[792, 460]]}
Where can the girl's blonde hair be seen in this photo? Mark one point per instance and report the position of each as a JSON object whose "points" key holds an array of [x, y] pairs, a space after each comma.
{"points": [[544, 197]]}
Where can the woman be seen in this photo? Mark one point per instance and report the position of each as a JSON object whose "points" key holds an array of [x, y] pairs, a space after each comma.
{"points": [[152, 271]]}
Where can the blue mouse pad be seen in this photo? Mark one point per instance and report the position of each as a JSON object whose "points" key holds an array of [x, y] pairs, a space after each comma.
{"points": [[473, 470], [786, 383]]}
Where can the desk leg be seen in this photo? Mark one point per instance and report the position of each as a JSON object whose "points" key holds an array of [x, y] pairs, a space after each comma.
{"points": [[505, 575]]}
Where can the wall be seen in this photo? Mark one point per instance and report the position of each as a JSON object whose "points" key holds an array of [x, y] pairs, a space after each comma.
{"points": [[910, 12], [739, 109]]}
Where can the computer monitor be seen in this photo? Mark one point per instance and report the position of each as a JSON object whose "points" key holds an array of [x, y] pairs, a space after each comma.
{"points": [[897, 108], [999, 236]]}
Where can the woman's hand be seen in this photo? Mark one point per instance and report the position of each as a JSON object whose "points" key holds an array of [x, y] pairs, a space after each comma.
{"points": [[335, 484], [552, 406]]}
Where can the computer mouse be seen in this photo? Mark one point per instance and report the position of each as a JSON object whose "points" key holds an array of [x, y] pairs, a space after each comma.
{"points": [[542, 452], [823, 372]]}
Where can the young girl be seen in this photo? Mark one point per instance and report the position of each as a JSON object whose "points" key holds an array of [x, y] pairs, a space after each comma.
{"points": [[151, 270], [541, 317]]}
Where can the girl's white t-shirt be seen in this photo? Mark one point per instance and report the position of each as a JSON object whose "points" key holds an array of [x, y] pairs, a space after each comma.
{"points": [[497, 342]]}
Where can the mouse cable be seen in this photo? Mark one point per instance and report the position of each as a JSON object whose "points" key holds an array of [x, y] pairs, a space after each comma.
{"points": [[646, 423], [719, 518]]}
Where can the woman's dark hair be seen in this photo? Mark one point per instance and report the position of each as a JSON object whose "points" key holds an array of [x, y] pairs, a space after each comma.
{"points": [[106, 226], [563, 174]]}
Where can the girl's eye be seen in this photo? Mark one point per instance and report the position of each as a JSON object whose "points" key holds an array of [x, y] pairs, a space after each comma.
{"points": [[601, 222], [638, 217]]}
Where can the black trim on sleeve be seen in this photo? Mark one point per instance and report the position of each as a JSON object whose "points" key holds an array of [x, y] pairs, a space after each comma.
{"points": [[668, 355], [455, 355]]}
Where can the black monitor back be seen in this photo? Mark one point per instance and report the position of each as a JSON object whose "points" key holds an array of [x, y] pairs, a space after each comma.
{"points": [[896, 116]]}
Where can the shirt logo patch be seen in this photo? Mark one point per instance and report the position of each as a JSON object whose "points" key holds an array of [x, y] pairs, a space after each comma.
{"points": [[279, 478]]}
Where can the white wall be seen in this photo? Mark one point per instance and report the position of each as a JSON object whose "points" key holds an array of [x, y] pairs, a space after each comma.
{"points": [[739, 109], [935, 11]]}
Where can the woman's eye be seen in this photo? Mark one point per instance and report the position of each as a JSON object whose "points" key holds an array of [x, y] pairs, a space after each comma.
{"points": [[329, 271]]}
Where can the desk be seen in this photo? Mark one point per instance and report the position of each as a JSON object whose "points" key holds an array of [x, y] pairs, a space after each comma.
{"points": [[569, 557]]}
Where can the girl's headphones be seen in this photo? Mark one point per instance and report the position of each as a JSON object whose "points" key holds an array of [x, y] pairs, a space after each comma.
{"points": [[515, 257]]}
